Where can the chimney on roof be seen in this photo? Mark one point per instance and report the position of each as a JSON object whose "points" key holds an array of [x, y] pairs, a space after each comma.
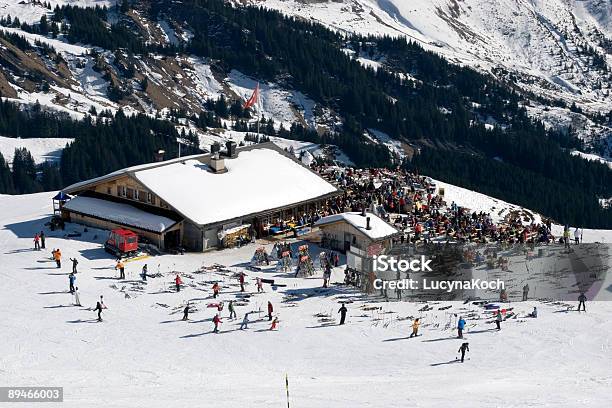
{"points": [[230, 149], [159, 155], [368, 226]]}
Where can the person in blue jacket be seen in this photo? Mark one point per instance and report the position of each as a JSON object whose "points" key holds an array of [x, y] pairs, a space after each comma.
{"points": [[71, 280], [460, 327]]}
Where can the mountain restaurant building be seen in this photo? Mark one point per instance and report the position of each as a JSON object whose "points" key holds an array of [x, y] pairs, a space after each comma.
{"points": [[193, 202]]}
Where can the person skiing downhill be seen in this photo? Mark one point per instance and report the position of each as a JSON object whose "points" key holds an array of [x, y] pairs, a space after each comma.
{"points": [[231, 309], [415, 327], [581, 301], [42, 239], [270, 310], [99, 306], [216, 320], [460, 327], [525, 291], [342, 312], [215, 289], [498, 319], [77, 298], [464, 347], [37, 242], [245, 321], [274, 324], [186, 312], [259, 285], [178, 282], [71, 280]]}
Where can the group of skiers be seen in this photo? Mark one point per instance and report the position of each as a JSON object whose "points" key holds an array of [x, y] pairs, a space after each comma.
{"points": [[39, 241]]}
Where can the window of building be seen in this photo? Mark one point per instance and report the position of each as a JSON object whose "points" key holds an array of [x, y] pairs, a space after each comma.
{"points": [[143, 196], [129, 192], [108, 190], [121, 191], [151, 198]]}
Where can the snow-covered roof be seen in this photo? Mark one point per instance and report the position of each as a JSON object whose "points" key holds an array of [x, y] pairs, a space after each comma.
{"points": [[379, 229], [120, 213], [258, 179]]}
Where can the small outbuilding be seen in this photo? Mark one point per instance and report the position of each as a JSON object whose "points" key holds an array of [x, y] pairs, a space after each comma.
{"points": [[360, 235]]}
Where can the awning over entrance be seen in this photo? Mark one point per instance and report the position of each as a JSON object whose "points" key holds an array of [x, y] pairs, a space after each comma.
{"points": [[119, 213]]}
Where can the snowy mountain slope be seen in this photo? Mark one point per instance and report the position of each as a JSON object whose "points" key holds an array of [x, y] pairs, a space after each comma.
{"points": [[142, 354], [42, 149], [545, 47]]}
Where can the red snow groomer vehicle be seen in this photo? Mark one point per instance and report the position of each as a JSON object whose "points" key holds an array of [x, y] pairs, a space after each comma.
{"points": [[122, 242]]}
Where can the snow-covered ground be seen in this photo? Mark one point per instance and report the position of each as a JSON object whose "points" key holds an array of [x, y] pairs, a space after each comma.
{"points": [[42, 149], [144, 355]]}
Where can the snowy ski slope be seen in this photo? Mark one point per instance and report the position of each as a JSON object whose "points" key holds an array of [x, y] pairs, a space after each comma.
{"points": [[143, 355]]}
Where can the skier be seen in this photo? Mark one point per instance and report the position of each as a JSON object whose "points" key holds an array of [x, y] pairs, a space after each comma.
{"points": [[121, 268], [71, 279], [241, 279], [460, 327], [186, 312], [245, 321], [77, 298], [498, 319], [215, 289], [42, 239], [534, 314], [464, 347], [216, 321], [581, 301], [415, 327], [178, 282], [36, 242], [525, 291], [143, 274], [231, 309], [274, 324], [259, 285], [57, 256], [270, 310], [99, 307], [342, 312], [74, 264]]}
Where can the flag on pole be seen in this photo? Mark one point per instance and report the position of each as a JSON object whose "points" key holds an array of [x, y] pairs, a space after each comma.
{"points": [[253, 99]]}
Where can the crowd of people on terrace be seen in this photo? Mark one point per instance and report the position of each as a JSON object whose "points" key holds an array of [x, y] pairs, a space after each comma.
{"points": [[412, 204]]}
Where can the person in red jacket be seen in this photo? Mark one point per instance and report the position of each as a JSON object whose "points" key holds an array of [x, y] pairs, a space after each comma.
{"points": [[274, 324], [216, 320], [215, 289], [178, 283], [270, 310], [241, 279]]}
